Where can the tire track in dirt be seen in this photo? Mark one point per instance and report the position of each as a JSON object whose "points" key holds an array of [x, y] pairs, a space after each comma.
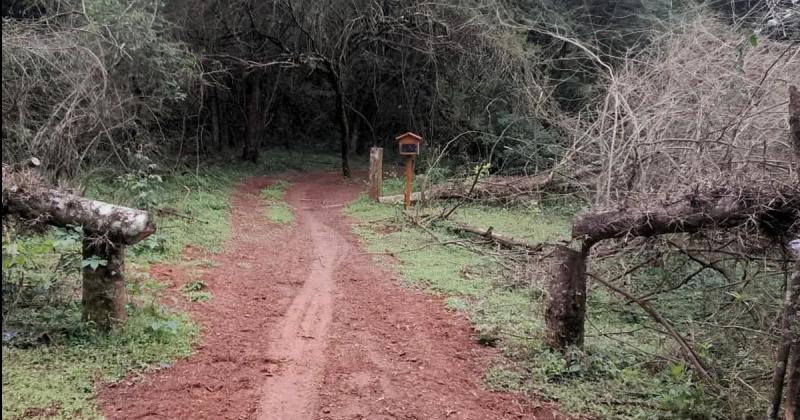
{"points": [[302, 339]]}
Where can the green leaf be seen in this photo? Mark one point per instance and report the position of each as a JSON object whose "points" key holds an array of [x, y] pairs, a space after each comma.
{"points": [[753, 40], [93, 262], [676, 370]]}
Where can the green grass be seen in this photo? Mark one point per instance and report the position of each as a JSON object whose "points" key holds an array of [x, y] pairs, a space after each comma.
{"points": [[611, 378], [194, 291], [62, 376], [277, 210]]}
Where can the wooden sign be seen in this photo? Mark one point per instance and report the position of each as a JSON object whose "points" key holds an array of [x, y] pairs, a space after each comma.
{"points": [[408, 144]]}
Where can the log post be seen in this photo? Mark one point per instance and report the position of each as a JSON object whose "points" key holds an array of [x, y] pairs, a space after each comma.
{"points": [[375, 172], [566, 298], [104, 295]]}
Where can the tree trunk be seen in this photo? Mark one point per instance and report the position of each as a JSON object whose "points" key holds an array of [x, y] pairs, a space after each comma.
{"points": [[216, 132], [345, 131], [229, 129], [341, 115], [224, 130], [253, 94], [104, 295], [791, 403], [794, 124], [355, 134], [375, 172], [789, 339], [566, 299]]}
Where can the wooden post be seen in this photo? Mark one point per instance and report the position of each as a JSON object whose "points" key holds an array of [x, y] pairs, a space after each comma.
{"points": [[104, 295], [375, 172], [409, 180]]}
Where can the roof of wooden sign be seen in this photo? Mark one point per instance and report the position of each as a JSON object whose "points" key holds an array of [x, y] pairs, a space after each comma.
{"points": [[408, 134]]}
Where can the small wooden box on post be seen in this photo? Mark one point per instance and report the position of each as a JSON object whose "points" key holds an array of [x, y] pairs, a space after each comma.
{"points": [[408, 144]]}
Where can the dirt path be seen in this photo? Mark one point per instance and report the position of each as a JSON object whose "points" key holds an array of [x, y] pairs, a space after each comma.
{"points": [[303, 325]]}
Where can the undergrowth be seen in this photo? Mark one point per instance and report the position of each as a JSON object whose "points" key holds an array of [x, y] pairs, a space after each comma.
{"points": [[53, 362], [633, 375]]}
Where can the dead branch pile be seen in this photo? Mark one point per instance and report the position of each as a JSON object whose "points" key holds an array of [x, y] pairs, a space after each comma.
{"points": [[88, 87], [702, 103]]}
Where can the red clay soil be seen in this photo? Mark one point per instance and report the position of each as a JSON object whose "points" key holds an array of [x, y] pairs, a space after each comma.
{"points": [[304, 325]]}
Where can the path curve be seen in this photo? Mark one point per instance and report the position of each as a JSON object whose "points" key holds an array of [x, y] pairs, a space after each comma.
{"points": [[304, 325]]}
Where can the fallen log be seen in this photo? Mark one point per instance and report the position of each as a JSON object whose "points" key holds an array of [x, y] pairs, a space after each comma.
{"points": [[496, 188], [397, 199], [120, 224], [107, 229], [774, 210]]}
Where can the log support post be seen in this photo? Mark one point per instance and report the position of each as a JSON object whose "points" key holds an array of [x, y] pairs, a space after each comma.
{"points": [[108, 228], [375, 172], [566, 298], [104, 295]]}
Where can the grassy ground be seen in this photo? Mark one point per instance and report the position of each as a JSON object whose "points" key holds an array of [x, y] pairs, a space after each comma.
{"points": [[632, 375], [277, 210], [52, 362]]}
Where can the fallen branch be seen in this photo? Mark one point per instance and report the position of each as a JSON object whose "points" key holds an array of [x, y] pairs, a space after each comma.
{"points": [[429, 244], [166, 211], [505, 241], [689, 352]]}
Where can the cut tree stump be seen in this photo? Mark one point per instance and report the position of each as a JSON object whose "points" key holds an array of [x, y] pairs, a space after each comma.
{"points": [[566, 299]]}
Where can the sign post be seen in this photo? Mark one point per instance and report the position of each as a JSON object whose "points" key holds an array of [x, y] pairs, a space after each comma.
{"points": [[409, 181], [409, 147]]}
